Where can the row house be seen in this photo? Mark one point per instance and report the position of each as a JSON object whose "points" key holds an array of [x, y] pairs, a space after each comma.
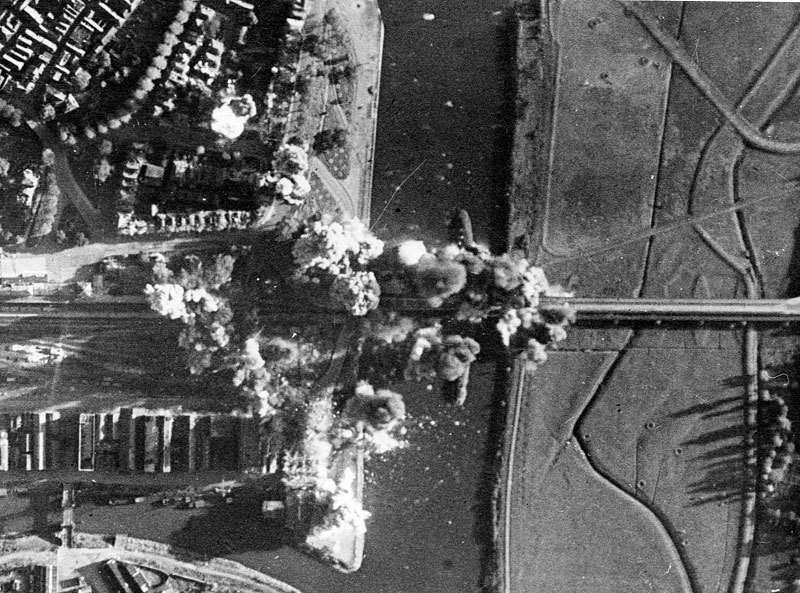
{"points": [[28, 441], [129, 440]]}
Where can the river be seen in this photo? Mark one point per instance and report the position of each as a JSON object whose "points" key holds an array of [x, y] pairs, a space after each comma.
{"points": [[444, 123]]}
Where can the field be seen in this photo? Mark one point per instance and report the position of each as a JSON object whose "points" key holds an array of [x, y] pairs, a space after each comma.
{"points": [[677, 206]]}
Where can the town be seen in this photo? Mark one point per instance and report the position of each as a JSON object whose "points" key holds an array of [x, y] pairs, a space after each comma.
{"points": [[133, 132]]}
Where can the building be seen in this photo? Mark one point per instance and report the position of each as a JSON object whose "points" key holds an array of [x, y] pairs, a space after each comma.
{"points": [[150, 437], [87, 441], [26, 269], [114, 577], [43, 579], [24, 443], [129, 439]]}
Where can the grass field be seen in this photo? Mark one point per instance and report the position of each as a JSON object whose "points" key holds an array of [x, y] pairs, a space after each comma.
{"points": [[666, 427]]}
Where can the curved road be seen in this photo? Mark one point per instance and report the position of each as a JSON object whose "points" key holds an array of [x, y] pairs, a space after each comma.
{"points": [[67, 183]]}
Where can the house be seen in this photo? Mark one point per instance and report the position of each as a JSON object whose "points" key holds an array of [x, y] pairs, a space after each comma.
{"points": [[153, 173]]}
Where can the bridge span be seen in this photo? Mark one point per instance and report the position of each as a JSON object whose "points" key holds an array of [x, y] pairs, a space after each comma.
{"points": [[586, 309], [683, 310]]}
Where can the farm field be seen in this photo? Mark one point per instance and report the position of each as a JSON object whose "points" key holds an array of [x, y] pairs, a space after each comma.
{"points": [[670, 422]]}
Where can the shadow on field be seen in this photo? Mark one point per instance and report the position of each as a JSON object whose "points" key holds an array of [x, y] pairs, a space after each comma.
{"points": [[232, 528], [723, 465], [710, 409], [721, 456], [787, 571]]}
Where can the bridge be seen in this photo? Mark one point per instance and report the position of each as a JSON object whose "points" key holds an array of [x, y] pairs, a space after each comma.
{"points": [[683, 310], [587, 309]]}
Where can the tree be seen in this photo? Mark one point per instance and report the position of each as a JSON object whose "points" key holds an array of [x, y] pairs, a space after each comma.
{"points": [[146, 84], [48, 112], [48, 206], [104, 59], [339, 73], [103, 170], [106, 147], [176, 28], [81, 80], [330, 139], [309, 43], [48, 157]]}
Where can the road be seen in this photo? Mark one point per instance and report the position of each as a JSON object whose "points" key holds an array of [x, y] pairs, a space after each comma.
{"points": [[660, 154], [67, 183], [82, 558]]}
